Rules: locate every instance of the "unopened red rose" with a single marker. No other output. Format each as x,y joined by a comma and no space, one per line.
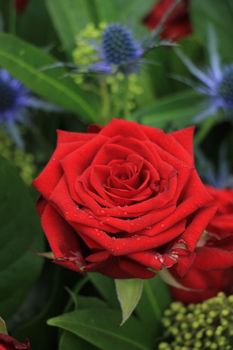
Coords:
123,201
212,268
20,5
9,343
178,24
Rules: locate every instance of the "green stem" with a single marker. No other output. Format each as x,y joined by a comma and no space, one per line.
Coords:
80,284
105,110
92,9
126,96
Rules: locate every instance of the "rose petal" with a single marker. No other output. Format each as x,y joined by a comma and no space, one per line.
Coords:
57,230
68,136
76,163
123,128
50,176
211,258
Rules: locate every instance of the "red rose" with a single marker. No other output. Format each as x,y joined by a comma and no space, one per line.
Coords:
21,5
212,268
9,343
177,25
123,199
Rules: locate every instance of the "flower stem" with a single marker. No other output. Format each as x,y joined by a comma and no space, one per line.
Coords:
126,106
104,93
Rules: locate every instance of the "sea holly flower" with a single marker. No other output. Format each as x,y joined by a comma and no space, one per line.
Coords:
124,200
15,98
211,266
120,49
207,325
116,50
178,24
215,82
108,49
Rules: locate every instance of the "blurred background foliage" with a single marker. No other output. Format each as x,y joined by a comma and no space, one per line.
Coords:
45,33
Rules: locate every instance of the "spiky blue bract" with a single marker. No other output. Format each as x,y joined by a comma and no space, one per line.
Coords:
119,46
225,88
13,98
215,82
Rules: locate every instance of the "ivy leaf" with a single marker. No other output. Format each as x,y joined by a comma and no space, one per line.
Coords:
129,293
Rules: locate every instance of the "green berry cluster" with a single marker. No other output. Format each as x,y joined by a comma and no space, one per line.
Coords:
85,53
24,162
124,89
203,326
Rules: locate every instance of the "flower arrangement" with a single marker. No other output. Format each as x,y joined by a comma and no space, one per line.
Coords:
116,211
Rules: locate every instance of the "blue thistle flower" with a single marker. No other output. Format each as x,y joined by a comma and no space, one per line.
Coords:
119,46
216,82
118,51
15,98
225,87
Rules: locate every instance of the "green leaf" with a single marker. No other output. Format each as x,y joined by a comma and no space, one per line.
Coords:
36,16
69,341
105,286
84,302
25,62
69,17
112,11
20,235
100,327
41,303
178,109
155,299
3,329
128,293
220,15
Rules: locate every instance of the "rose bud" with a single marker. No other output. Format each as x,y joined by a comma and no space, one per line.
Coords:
178,24
125,201
9,343
20,5
212,268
